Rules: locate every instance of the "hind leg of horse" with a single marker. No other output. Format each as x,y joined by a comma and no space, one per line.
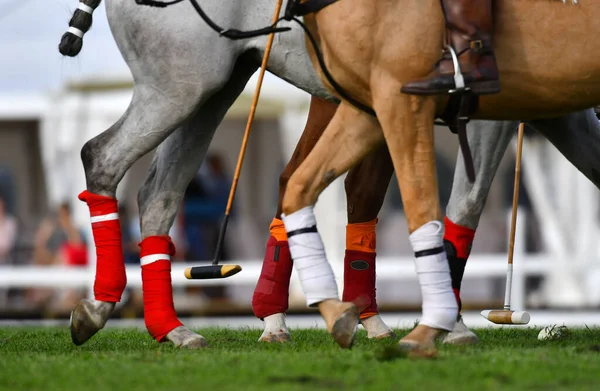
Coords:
176,162
366,186
146,123
488,141
408,130
271,294
577,137
349,137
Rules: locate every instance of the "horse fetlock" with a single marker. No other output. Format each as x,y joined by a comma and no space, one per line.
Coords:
89,317
275,329
184,338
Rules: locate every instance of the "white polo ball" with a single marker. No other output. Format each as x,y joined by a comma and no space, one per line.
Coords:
553,333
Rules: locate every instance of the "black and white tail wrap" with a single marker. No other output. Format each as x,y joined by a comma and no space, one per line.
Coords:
80,23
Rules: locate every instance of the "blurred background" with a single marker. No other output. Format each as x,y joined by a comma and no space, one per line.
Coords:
50,106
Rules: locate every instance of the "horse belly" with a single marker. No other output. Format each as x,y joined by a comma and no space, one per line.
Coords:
548,59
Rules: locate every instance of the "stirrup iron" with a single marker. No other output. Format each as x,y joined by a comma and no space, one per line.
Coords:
459,80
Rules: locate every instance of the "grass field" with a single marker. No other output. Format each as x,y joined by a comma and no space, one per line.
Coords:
507,359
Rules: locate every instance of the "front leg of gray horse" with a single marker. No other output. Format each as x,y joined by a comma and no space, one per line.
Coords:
176,162
488,141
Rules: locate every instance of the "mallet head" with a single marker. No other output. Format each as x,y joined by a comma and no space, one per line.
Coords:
211,271
506,316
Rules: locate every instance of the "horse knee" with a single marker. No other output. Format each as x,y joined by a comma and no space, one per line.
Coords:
298,194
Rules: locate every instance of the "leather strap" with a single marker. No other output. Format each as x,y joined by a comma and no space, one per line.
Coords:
299,8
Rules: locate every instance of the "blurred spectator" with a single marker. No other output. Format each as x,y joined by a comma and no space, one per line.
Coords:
58,241
132,236
8,233
8,236
204,203
129,236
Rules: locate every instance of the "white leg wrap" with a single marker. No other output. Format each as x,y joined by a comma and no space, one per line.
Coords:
439,304
308,253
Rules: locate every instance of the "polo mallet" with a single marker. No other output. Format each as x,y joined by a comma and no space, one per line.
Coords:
221,271
507,316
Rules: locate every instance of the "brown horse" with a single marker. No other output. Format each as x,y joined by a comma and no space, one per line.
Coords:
382,45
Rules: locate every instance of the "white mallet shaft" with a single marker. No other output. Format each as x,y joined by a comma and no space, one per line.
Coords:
513,220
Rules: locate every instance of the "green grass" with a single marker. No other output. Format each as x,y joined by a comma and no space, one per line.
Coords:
506,359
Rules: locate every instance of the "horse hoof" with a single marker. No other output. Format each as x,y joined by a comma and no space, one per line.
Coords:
275,329
344,328
376,328
342,321
88,317
460,335
269,337
184,338
420,342
416,350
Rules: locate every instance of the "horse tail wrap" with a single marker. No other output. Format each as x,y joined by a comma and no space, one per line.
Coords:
80,23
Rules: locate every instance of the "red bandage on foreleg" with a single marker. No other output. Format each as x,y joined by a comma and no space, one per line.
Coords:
159,311
271,295
359,265
110,266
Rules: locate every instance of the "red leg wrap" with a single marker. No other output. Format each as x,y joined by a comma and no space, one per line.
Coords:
272,290
110,266
359,280
159,312
457,242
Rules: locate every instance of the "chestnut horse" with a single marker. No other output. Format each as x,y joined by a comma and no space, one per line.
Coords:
372,48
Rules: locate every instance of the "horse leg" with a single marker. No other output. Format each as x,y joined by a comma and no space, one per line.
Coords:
409,137
577,137
365,194
271,295
488,141
366,186
176,162
354,134
147,122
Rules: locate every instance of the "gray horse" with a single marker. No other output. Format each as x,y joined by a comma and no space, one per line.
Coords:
185,79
